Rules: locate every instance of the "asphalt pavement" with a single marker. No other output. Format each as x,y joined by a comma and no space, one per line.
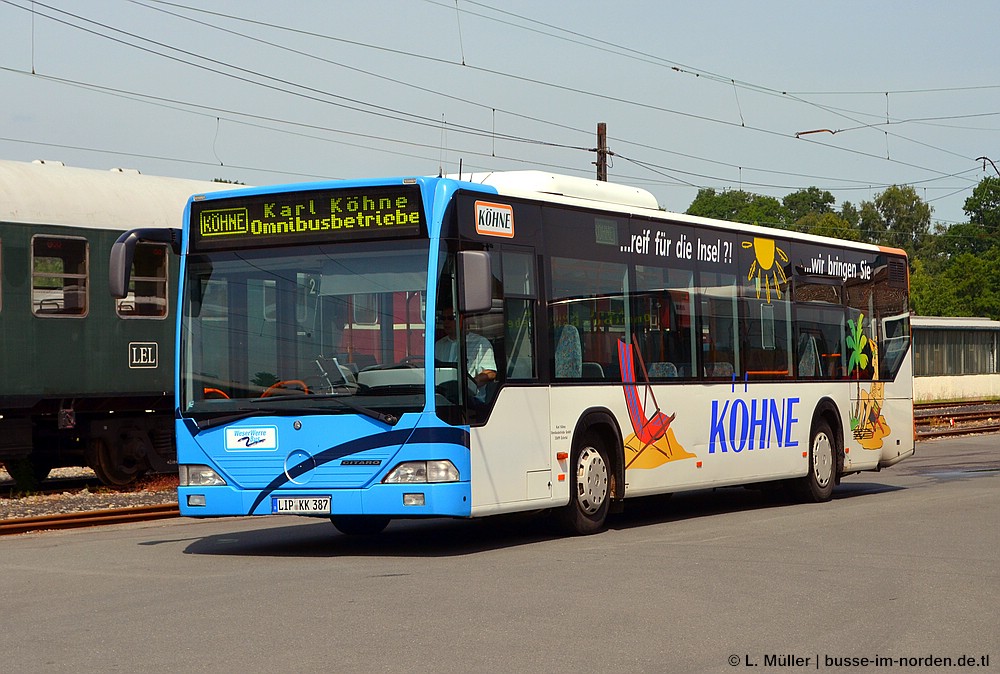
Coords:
899,569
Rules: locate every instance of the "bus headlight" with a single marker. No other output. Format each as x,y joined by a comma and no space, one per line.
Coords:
195,475
423,471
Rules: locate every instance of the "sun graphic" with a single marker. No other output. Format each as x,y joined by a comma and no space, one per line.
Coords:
763,266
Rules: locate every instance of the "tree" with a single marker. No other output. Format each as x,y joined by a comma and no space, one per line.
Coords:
897,217
849,212
983,206
951,241
739,206
811,200
968,286
828,224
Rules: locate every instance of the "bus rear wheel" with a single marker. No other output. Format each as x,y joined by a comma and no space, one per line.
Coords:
590,488
360,525
817,485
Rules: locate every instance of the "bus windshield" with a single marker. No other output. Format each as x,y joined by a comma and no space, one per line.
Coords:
296,328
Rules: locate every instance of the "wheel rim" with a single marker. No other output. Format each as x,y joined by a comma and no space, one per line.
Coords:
591,480
822,454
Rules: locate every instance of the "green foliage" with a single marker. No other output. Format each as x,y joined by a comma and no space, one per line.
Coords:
897,217
967,285
948,242
808,210
851,214
739,206
807,202
983,207
827,224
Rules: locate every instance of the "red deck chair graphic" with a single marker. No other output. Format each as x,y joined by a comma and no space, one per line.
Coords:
647,430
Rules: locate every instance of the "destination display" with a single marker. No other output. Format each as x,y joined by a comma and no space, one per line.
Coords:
315,216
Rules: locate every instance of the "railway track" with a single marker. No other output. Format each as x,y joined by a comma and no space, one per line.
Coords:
76,520
935,420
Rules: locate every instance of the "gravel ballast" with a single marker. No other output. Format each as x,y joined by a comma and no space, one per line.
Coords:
159,490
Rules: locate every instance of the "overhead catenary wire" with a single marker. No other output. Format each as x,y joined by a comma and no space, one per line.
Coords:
296,89
549,84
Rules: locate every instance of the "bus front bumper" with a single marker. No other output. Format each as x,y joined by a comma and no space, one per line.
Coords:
448,499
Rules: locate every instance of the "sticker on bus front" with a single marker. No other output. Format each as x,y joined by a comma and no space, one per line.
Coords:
262,438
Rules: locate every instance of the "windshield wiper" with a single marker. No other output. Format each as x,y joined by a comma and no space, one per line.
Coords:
243,413
385,418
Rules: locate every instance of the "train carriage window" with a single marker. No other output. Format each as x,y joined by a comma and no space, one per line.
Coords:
366,309
59,270
147,290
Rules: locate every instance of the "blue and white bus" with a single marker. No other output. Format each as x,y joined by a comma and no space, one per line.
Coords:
600,349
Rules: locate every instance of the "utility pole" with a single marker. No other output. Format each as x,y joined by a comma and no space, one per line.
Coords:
602,151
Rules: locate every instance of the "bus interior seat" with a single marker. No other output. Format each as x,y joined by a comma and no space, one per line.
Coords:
722,368
568,353
808,356
357,361
662,369
591,370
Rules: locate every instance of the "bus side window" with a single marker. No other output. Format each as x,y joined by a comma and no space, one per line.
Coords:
767,338
520,298
665,329
589,296
717,312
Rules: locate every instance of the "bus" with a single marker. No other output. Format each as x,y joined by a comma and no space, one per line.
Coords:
601,349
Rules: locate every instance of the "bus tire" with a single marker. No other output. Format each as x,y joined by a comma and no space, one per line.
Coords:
817,485
590,487
360,525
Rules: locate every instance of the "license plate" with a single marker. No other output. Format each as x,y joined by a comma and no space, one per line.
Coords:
298,505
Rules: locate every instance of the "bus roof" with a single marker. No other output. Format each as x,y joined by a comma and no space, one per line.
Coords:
532,183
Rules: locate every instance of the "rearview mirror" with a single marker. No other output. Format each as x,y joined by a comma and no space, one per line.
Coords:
475,282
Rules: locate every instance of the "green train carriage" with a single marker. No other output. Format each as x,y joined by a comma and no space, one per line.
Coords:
85,379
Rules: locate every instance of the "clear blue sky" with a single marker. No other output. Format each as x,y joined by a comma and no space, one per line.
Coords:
699,94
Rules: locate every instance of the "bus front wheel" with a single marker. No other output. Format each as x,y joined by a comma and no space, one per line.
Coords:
590,487
817,485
